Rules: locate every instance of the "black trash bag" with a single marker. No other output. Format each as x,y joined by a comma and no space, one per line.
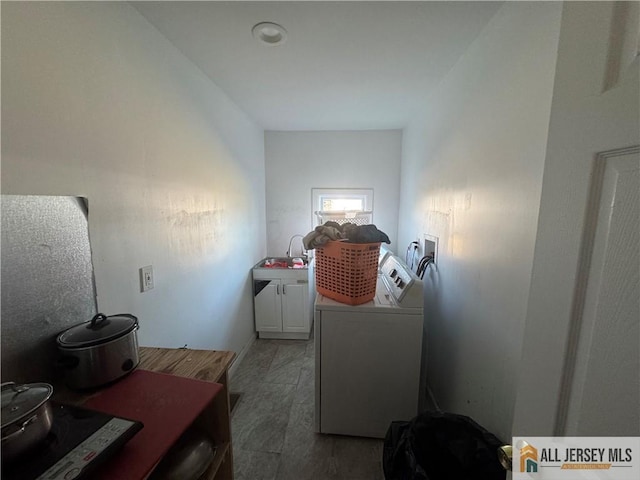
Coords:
441,446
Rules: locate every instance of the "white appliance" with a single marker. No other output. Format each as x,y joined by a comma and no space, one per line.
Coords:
368,356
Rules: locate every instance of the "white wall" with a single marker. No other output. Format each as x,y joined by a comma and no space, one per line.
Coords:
472,175
296,162
95,102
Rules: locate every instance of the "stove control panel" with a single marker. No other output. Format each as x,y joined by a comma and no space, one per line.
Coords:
404,285
77,462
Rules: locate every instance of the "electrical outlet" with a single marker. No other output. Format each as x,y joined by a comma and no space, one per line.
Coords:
431,246
146,278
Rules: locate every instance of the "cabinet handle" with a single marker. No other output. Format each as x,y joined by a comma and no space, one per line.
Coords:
277,289
284,291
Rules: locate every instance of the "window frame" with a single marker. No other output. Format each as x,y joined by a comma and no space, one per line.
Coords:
318,194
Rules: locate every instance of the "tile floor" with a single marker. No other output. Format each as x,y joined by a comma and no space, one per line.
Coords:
272,424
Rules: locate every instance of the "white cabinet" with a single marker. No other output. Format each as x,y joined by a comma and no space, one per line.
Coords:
295,308
268,306
282,303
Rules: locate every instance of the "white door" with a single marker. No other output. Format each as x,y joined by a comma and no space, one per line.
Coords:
580,371
295,307
268,311
603,384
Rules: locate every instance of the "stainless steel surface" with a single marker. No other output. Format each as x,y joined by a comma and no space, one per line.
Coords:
188,459
19,401
47,257
26,417
96,365
284,260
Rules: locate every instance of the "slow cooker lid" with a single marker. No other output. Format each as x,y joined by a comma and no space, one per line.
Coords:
20,400
100,329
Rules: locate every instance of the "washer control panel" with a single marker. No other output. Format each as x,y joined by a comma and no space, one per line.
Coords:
404,285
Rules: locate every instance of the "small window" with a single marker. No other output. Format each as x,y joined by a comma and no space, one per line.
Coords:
329,204
342,205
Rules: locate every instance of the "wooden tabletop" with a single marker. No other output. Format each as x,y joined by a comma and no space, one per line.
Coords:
207,365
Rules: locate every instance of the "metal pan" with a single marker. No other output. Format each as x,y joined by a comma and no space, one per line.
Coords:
26,417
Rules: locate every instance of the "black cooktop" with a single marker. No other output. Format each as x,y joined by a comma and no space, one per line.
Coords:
80,439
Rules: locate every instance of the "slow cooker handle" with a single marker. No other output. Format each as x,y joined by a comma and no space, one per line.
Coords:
68,362
100,317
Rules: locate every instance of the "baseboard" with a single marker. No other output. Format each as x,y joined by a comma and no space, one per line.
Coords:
284,335
236,362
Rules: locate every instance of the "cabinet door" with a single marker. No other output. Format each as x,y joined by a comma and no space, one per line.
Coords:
295,307
268,311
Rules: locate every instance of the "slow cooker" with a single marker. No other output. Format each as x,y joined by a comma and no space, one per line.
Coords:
99,351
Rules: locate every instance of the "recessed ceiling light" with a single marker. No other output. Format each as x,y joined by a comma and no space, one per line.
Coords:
269,33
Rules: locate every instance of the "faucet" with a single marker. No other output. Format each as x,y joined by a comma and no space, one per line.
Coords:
303,255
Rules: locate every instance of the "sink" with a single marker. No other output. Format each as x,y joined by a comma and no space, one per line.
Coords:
275,263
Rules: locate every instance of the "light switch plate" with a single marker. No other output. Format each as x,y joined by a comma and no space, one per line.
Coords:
146,278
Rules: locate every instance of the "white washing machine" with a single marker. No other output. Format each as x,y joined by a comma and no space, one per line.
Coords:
368,356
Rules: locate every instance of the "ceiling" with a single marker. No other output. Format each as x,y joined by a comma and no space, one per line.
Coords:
344,66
